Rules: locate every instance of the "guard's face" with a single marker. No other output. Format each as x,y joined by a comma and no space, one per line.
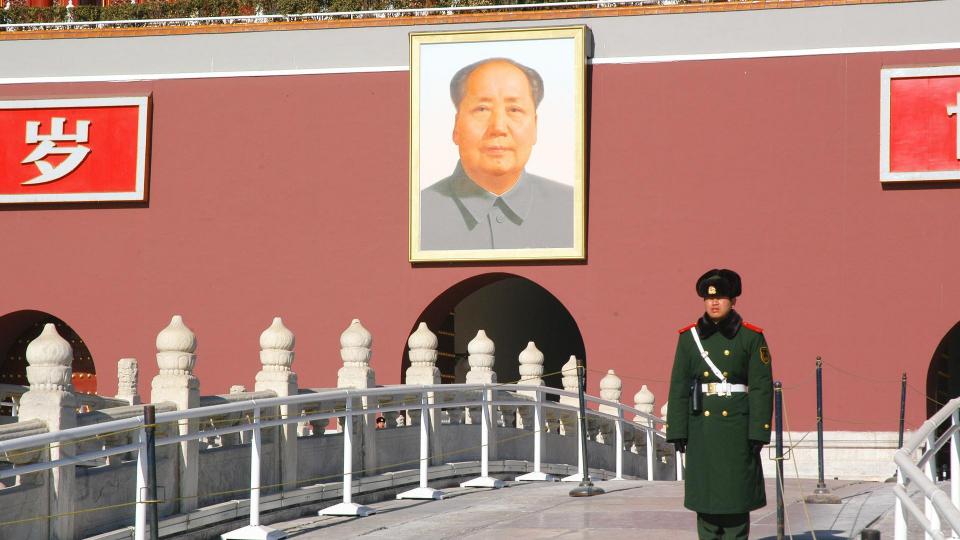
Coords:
496,125
717,308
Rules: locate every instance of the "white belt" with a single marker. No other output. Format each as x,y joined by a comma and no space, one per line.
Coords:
723,388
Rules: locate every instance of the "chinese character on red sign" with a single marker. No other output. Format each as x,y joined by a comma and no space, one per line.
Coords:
919,120
74,150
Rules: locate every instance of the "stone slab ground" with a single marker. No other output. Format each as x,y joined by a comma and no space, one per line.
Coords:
629,509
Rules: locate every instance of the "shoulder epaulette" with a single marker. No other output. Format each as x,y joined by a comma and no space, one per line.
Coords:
685,328
753,327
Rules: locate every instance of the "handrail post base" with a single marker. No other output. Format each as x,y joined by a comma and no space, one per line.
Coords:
483,482
426,493
536,477
254,532
347,509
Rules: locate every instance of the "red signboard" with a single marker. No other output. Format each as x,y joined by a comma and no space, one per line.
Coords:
74,150
920,112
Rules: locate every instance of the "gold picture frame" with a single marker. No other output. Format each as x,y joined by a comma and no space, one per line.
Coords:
497,142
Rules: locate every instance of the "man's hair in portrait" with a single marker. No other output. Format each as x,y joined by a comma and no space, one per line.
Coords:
459,81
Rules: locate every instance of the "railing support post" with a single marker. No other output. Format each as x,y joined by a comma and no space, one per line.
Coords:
619,471
484,480
423,491
651,451
899,514
255,531
348,507
140,515
930,469
955,463
537,475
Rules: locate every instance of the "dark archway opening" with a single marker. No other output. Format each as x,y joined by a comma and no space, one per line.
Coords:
513,311
19,328
943,384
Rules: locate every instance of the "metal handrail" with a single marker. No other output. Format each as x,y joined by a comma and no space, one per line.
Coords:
937,504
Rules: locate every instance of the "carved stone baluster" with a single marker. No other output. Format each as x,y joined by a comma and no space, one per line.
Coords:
610,389
568,420
481,360
643,402
356,344
531,369
423,364
128,376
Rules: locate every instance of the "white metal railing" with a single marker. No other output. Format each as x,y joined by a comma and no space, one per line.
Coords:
923,474
462,396
325,16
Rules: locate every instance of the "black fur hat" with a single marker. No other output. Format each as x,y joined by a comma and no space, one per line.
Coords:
719,282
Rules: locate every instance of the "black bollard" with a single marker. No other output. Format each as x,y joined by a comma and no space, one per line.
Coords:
778,420
150,428
821,495
870,534
903,407
586,487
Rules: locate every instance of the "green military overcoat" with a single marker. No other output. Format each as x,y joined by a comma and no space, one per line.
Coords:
723,475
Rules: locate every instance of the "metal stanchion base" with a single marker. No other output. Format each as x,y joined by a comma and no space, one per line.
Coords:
483,482
254,532
421,493
586,490
347,509
536,477
821,495
576,477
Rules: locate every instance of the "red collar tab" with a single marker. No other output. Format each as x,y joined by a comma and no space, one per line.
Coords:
753,327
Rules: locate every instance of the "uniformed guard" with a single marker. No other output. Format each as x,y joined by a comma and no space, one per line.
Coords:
721,392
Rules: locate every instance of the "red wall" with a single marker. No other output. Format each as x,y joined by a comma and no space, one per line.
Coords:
287,195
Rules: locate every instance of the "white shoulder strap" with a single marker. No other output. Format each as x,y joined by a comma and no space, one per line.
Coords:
706,357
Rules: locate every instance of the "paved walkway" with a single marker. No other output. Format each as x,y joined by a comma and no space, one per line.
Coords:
629,509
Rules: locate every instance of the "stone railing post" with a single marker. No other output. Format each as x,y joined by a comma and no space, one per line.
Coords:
531,369
128,377
611,387
423,370
481,359
568,420
176,383
276,359
643,402
51,400
355,351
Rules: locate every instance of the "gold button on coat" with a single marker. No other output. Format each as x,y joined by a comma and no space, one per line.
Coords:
706,413
706,373
724,413
726,352
766,426
725,374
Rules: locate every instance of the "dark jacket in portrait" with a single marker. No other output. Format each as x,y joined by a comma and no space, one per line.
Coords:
723,474
456,213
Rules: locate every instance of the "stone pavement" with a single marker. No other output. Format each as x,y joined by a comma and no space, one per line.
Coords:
629,509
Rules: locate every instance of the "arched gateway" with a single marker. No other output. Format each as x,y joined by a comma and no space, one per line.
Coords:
513,311
19,328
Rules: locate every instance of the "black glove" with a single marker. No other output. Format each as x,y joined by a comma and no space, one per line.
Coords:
680,445
756,446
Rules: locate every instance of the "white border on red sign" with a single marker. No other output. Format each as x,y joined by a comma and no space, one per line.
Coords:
886,76
139,193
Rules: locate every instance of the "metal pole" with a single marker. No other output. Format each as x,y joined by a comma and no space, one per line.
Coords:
619,475
424,440
537,431
930,468
821,495
348,451
903,407
650,451
140,514
955,463
821,485
484,435
586,487
778,418
150,430
255,470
